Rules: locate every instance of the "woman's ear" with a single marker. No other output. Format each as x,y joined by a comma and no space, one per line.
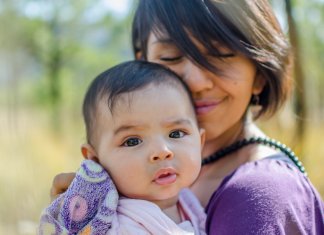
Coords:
139,55
202,133
258,84
89,152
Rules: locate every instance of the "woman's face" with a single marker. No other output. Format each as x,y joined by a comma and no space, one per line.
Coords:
220,99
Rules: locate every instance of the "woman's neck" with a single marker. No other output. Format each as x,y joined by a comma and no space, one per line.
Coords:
211,175
236,158
229,137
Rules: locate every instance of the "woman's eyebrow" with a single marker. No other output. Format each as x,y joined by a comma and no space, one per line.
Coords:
163,41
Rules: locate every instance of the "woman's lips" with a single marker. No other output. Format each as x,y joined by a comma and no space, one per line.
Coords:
203,107
165,176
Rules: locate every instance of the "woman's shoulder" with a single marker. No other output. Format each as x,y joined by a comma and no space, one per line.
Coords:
276,170
265,194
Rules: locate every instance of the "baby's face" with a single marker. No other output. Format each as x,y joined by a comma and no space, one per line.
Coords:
151,144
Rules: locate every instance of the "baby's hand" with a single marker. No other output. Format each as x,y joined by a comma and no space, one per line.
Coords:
89,204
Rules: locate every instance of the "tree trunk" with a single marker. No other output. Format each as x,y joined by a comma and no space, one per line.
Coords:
54,65
299,99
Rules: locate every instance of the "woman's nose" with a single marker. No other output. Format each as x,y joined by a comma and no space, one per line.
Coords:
161,152
197,78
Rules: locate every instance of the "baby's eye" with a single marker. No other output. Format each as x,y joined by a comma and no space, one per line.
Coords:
177,134
130,142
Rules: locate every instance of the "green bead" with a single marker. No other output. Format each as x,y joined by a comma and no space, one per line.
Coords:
260,140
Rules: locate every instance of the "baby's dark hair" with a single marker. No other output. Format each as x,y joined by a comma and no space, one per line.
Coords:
124,78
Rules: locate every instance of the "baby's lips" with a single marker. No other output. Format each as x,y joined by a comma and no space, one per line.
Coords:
165,176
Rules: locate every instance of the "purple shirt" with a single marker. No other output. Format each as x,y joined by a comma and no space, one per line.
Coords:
269,196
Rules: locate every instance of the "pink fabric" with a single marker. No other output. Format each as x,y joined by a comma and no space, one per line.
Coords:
143,217
91,205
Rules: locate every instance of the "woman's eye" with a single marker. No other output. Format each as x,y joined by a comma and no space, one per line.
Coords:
177,134
170,58
132,142
227,55
221,57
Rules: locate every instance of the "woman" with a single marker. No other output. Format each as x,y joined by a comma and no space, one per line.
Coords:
233,55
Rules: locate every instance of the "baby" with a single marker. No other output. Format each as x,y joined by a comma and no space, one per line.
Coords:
143,138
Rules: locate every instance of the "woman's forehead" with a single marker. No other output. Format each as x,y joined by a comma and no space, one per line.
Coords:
163,38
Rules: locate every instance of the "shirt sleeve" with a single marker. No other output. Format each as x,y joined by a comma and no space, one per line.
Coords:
265,197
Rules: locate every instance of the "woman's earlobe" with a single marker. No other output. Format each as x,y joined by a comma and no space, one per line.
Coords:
202,133
139,55
259,84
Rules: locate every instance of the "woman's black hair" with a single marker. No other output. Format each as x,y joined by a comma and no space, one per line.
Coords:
125,78
248,27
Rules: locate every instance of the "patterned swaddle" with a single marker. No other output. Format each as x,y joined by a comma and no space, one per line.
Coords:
87,207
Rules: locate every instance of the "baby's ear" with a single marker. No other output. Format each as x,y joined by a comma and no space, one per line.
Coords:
89,152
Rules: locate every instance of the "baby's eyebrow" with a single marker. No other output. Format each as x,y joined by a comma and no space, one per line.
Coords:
181,121
125,128
167,123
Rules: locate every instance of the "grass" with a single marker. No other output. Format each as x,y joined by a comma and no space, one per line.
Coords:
32,153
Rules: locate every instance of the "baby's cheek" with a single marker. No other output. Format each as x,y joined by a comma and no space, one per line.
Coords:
120,178
193,167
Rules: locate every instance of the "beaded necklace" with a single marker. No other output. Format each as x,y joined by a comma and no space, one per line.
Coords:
255,140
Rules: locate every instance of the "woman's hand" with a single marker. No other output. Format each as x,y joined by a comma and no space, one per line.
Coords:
60,184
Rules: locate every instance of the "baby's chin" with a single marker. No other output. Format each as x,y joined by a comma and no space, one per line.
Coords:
166,202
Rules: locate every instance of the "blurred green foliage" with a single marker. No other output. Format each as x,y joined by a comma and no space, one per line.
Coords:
54,48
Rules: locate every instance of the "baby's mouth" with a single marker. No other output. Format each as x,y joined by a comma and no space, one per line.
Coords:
165,176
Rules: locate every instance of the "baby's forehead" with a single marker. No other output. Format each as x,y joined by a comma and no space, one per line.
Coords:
154,105
127,99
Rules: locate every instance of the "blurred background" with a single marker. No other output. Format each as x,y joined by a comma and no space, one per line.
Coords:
51,50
